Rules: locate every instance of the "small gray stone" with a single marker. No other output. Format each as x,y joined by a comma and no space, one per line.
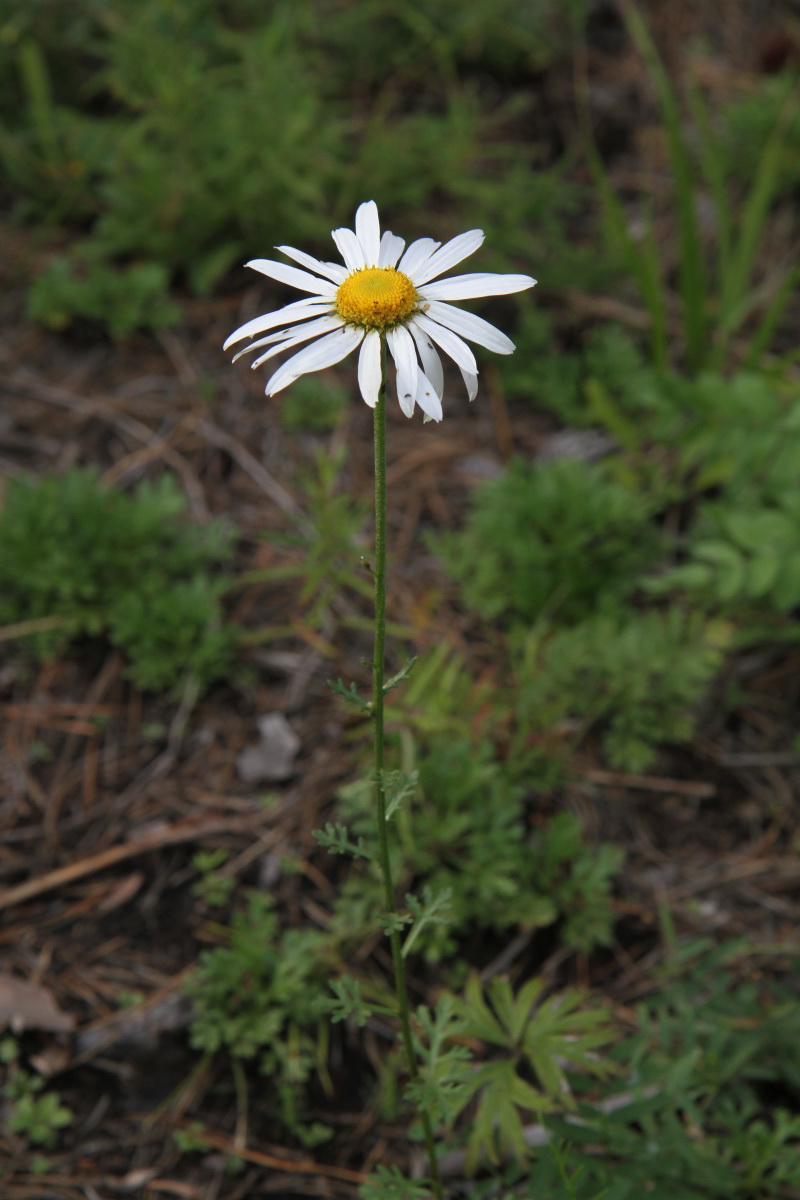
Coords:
272,758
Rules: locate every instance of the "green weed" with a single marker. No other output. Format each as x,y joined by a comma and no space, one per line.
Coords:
34,1113
559,538
640,678
463,835
122,299
697,1122
743,561
492,1058
213,888
257,998
681,438
80,559
682,1106
179,141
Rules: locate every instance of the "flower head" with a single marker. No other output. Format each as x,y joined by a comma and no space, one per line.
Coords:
383,291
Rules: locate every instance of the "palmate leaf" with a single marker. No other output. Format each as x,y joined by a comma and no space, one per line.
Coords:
387,1183
479,1019
515,1011
497,1129
562,1035
543,1037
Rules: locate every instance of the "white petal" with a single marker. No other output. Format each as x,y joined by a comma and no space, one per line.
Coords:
404,354
368,232
417,255
450,342
298,310
471,381
427,398
298,279
452,252
470,287
392,247
281,336
313,329
288,333
431,363
350,249
331,271
369,368
473,328
324,353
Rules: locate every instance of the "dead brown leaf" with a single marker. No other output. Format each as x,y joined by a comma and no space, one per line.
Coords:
28,1006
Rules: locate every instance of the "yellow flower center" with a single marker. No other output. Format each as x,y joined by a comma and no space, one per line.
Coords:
376,298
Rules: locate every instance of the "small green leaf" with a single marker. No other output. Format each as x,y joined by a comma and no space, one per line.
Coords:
394,922
350,695
434,909
348,1002
335,838
402,674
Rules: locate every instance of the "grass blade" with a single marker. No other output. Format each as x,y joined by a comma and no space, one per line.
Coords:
643,258
733,309
691,269
768,324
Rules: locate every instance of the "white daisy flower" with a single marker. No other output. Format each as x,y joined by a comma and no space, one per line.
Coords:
383,291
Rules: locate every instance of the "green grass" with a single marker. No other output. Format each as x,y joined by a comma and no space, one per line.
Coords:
719,292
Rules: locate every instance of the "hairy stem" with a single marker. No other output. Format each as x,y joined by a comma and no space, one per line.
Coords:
401,990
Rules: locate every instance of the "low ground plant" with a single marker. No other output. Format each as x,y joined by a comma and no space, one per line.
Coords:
467,837
159,138
79,559
256,999
560,539
712,1045
683,1107
638,679
34,1111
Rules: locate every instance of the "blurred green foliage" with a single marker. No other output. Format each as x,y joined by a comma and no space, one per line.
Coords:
191,136
720,295
640,677
560,537
78,559
31,1111
123,298
624,584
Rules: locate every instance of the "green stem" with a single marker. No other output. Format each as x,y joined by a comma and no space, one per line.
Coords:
401,990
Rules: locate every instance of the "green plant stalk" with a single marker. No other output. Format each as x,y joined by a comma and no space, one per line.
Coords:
379,572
